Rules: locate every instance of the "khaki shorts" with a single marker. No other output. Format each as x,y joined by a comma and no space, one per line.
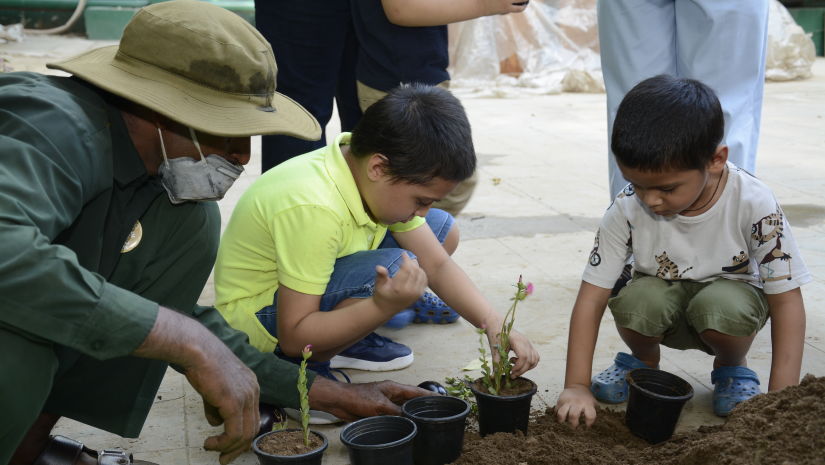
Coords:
681,310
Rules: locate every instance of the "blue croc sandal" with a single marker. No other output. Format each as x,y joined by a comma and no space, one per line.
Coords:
732,385
401,319
431,309
610,386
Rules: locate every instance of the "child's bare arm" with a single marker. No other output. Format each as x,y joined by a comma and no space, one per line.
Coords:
576,400
787,337
450,283
438,12
300,322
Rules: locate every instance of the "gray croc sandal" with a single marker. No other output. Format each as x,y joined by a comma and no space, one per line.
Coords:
65,451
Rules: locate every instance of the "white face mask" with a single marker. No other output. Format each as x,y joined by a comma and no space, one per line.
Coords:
186,179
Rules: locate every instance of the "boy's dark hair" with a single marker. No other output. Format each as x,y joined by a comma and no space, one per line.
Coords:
667,123
422,130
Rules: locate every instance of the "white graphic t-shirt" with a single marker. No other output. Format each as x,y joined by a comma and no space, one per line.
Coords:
744,236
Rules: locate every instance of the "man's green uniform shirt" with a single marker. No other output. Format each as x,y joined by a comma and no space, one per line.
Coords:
72,186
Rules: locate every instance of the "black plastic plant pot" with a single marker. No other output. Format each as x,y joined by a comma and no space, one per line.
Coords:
440,421
313,457
385,440
503,413
655,403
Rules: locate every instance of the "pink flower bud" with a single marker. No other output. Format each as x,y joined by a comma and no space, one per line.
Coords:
529,289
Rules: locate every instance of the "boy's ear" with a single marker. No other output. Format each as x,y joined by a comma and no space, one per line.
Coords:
720,157
376,166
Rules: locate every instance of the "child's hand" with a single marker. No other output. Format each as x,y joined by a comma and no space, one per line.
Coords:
399,292
526,357
574,402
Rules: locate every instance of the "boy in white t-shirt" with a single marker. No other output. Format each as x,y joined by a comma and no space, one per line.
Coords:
713,257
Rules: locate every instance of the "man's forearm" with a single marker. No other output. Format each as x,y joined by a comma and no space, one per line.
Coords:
174,338
277,378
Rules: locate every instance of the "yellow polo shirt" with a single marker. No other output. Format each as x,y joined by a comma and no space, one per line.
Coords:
289,227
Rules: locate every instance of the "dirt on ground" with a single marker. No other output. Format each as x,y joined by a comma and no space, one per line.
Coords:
783,428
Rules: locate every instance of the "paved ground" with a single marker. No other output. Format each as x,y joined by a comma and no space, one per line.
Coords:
542,191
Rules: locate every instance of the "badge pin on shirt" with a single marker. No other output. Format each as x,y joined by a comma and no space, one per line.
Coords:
133,239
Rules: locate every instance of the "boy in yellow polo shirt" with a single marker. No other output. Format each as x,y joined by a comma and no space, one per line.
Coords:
328,246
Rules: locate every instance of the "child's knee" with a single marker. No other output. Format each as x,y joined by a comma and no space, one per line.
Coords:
729,307
391,258
451,241
442,224
647,305
739,320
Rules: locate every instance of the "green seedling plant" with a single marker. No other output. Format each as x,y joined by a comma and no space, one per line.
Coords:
496,377
458,387
303,394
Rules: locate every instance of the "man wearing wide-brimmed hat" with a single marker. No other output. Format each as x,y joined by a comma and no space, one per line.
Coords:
108,236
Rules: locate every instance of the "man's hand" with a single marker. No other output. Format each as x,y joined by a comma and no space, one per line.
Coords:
230,396
399,292
353,401
229,389
575,401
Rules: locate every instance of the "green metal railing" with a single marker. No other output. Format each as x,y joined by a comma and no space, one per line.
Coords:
102,19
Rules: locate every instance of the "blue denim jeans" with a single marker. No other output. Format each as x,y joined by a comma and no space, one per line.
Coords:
353,276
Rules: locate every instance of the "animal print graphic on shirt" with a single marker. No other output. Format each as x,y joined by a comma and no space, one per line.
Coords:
739,264
627,191
668,269
767,229
595,258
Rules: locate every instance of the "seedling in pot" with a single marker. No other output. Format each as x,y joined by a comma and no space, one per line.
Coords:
497,377
294,446
303,393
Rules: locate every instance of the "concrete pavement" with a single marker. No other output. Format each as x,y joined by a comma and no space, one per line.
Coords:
542,190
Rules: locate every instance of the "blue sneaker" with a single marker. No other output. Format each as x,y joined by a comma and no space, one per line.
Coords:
374,353
731,386
321,368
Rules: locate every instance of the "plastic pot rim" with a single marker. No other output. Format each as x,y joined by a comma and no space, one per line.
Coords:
320,449
448,419
513,398
385,445
663,397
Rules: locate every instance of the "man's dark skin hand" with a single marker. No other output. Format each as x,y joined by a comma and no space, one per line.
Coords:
228,387
353,401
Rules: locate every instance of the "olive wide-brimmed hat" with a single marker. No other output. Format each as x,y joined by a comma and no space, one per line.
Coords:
200,65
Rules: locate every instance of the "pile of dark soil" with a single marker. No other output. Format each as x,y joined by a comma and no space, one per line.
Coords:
785,427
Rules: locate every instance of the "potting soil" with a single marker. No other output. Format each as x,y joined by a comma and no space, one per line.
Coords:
289,443
785,428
